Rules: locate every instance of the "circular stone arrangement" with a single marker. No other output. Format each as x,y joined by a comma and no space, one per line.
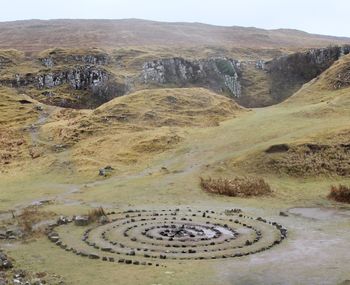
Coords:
144,237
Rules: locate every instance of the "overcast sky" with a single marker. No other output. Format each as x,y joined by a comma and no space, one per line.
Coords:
315,16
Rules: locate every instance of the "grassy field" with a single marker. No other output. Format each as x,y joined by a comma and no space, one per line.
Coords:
315,251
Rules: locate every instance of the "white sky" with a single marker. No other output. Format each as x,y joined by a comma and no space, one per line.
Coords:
323,16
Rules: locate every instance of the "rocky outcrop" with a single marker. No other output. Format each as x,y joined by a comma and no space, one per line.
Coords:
80,77
101,59
83,80
288,73
95,80
5,62
252,83
219,74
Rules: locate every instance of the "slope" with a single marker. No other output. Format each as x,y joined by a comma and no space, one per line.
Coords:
38,35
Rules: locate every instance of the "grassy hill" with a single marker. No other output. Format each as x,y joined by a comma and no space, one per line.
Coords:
158,143
159,162
34,35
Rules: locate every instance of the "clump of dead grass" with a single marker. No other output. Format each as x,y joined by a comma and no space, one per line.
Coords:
29,219
95,214
237,187
340,193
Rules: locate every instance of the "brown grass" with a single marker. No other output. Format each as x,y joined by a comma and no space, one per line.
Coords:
95,214
340,193
31,216
238,186
307,160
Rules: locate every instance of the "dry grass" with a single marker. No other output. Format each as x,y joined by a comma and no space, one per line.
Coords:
338,76
29,219
307,160
237,187
170,107
137,126
340,193
95,214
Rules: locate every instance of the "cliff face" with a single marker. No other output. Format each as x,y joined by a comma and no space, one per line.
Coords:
87,79
89,86
218,74
289,73
54,58
250,83
78,78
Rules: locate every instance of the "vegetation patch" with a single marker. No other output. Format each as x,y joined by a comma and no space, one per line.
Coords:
338,76
97,214
310,159
340,193
237,187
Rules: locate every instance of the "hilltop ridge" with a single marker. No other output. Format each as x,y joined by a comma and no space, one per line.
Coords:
34,35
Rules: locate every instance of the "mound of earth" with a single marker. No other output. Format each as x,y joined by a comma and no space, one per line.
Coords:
338,76
138,125
329,157
182,107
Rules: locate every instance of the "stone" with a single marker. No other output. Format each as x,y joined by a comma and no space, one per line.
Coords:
283,214
81,220
106,171
62,220
103,220
277,148
93,256
5,262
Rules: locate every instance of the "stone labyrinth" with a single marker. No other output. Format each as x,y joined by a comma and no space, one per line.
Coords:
153,237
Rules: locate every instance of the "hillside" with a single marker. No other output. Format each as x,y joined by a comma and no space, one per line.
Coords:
321,153
152,147
34,35
87,78
149,164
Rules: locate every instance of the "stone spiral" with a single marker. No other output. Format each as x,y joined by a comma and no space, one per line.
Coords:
152,237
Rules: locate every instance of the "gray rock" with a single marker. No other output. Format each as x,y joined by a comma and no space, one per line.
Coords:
283,214
219,73
105,171
81,220
62,220
103,220
94,256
